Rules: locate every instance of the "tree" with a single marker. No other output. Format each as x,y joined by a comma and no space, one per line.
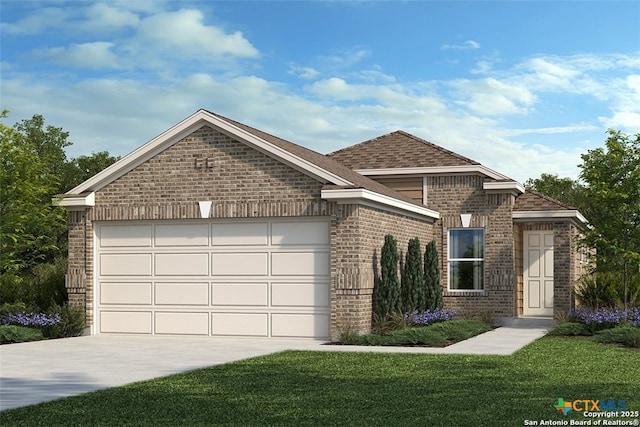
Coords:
612,178
412,286
84,167
388,295
565,190
30,224
432,277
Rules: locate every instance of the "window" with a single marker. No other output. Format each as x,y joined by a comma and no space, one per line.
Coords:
466,259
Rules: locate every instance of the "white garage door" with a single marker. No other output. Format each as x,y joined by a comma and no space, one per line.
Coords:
266,278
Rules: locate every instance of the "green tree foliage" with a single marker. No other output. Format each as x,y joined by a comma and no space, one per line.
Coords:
612,178
412,286
432,277
30,224
388,295
566,190
33,231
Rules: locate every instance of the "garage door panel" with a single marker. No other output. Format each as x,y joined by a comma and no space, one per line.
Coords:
182,294
300,325
125,293
125,264
239,294
182,323
182,235
226,234
300,233
236,277
301,295
240,264
182,264
300,263
112,236
132,322
240,324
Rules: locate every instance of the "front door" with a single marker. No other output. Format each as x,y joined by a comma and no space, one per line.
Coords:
538,273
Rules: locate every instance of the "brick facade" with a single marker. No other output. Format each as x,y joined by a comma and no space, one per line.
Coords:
242,183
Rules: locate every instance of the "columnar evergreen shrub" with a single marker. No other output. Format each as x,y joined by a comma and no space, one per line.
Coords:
412,285
388,295
432,277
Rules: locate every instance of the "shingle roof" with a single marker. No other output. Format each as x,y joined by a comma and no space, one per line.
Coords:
398,150
329,164
531,200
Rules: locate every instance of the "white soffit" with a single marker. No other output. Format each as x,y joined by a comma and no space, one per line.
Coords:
363,196
550,215
183,129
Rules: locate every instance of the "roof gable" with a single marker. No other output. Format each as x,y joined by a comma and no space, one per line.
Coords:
309,162
398,150
534,201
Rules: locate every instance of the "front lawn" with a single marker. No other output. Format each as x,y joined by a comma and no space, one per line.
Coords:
369,389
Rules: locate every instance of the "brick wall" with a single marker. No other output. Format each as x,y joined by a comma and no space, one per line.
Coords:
357,237
454,195
241,183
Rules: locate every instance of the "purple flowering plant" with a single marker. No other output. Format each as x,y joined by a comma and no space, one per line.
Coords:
37,320
604,318
430,316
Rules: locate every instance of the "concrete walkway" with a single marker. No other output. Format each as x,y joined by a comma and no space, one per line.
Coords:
47,370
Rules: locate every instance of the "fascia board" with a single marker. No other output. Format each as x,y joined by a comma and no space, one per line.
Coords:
141,154
550,215
503,186
363,196
280,153
436,170
81,201
186,127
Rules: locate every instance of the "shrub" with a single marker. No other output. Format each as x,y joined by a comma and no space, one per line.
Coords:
432,277
430,316
391,322
569,328
607,289
15,334
388,294
625,335
37,320
72,322
412,287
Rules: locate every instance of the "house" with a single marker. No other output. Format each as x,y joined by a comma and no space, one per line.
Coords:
216,228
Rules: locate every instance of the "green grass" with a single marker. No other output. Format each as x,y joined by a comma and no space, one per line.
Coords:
362,389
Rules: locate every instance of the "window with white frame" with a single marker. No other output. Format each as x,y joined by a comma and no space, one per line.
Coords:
466,259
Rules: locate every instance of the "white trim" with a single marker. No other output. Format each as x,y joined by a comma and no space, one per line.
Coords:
425,195
503,186
184,128
549,215
436,170
363,196
86,201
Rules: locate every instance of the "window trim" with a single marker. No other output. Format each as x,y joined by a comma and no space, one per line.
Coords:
450,260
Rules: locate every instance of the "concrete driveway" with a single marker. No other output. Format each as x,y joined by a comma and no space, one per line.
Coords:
41,371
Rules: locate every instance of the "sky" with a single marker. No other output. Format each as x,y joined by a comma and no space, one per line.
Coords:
524,87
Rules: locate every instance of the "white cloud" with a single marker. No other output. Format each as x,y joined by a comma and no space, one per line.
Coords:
493,97
306,73
102,16
183,32
96,55
467,45
39,21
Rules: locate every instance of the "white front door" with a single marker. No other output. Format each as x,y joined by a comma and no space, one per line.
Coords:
538,273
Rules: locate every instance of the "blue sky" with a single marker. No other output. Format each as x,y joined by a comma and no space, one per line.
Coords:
524,87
